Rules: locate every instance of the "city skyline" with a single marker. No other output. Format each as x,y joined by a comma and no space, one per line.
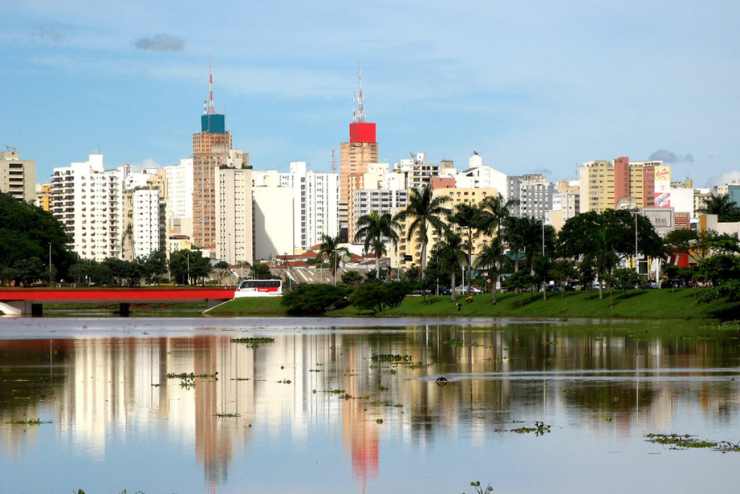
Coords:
479,86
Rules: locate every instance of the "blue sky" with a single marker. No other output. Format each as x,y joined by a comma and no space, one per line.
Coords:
541,86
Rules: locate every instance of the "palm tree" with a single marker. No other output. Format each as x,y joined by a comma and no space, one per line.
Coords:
424,211
373,230
469,218
491,258
331,252
494,211
451,256
725,208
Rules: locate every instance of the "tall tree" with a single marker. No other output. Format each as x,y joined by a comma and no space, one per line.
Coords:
469,219
374,230
491,258
494,211
720,204
27,232
425,212
451,257
331,252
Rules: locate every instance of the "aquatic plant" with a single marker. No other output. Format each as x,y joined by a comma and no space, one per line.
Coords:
391,358
539,429
36,421
478,489
686,441
253,341
227,415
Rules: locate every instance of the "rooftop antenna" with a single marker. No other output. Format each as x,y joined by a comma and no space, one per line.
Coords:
359,113
333,161
211,105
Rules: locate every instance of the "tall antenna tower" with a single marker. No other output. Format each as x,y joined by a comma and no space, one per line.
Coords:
359,113
211,107
333,161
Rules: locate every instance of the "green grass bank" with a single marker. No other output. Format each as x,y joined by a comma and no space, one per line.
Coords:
631,304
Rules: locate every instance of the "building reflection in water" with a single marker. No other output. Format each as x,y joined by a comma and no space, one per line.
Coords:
99,389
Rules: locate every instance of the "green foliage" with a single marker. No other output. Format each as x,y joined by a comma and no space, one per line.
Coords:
718,269
189,266
26,232
315,299
520,280
374,230
376,296
352,278
424,212
332,254
625,279
721,205
261,271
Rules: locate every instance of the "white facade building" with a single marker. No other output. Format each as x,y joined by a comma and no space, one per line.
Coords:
313,198
146,222
87,200
178,197
273,221
481,176
234,241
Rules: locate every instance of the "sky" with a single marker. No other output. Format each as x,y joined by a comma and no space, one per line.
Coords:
537,86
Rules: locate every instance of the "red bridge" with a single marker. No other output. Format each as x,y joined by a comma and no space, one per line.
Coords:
20,301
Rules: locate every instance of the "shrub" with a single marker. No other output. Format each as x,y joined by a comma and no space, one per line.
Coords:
312,300
375,296
353,278
624,278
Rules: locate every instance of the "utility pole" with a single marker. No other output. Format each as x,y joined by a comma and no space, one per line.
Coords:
637,261
51,275
544,274
187,282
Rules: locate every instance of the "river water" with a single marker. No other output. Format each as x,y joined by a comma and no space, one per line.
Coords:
352,405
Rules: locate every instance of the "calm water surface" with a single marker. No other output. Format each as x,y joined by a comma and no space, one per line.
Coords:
317,414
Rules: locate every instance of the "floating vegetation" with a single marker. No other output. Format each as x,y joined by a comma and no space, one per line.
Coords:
187,379
253,341
36,421
227,415
686,441
441,381
191,375
391,358
335,391
285,381
479,489
240,379
539,429
378,421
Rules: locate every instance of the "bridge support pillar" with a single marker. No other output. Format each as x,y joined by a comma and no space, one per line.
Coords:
124,310
37,310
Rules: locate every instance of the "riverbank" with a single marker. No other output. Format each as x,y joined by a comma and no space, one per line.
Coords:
630,304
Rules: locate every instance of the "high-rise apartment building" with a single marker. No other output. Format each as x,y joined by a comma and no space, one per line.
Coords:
274,221
147,221
408,251
417,172
87,200
17,176
178,197
43,197
234,241
532,194
619,184
211,148
381,201
355,156
566,203
479,175
313,201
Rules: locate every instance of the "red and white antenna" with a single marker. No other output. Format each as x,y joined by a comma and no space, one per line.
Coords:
211,101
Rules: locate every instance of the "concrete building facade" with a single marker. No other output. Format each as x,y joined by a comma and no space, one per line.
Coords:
87,200
234,228
17,176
